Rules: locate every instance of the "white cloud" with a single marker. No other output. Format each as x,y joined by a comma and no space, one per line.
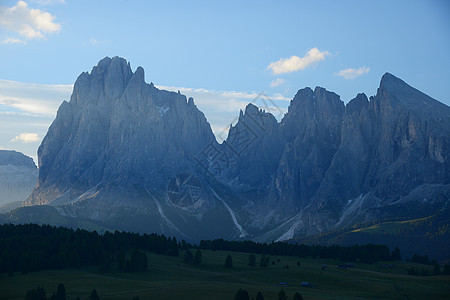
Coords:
28,23
23,105
221,108
213,97
42,99
93,41
277,82
26,137
351,73
295,63
12,41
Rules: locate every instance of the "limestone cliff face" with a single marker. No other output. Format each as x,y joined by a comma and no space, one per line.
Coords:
334,165
312,132
253,146
411,144
117,129
342,164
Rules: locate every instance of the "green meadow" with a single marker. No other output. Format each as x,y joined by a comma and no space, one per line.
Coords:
172,278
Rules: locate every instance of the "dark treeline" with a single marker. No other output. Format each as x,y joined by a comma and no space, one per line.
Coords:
33,247
369,253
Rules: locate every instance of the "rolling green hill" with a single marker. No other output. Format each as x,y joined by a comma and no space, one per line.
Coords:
172,278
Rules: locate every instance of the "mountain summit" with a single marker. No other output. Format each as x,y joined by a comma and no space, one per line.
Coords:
129,156
117,129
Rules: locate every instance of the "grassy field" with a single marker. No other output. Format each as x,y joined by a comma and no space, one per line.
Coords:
171,278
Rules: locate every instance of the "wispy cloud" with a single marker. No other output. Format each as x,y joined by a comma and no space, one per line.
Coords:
30,102
220,97
28,23
93,42
221,108
44,99
277,82
26,112
26,137
13,41
351,73
296,63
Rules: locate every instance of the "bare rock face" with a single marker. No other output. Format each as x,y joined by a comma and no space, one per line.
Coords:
132,157
411,145
253,148
118,129
347,164
312,131
115,146
18,176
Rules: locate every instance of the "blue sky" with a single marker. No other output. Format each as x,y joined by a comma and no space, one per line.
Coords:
222,53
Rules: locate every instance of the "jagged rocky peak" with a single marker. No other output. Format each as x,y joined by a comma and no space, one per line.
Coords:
389,80
108,79
253,123
315,105
252,111
394,92
357,104
314,115
117,128
302,97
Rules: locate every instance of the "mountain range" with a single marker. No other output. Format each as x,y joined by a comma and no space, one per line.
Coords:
123,154
18,176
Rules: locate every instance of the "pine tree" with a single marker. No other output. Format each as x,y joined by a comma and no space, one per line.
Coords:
252,260
188,257
229,261
36,294
105,262
446,270
241,294
197,257
94,295
121,257
264,262
259,296
436,267
412,271
174,249
282,295
395,255
61,292
298,296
